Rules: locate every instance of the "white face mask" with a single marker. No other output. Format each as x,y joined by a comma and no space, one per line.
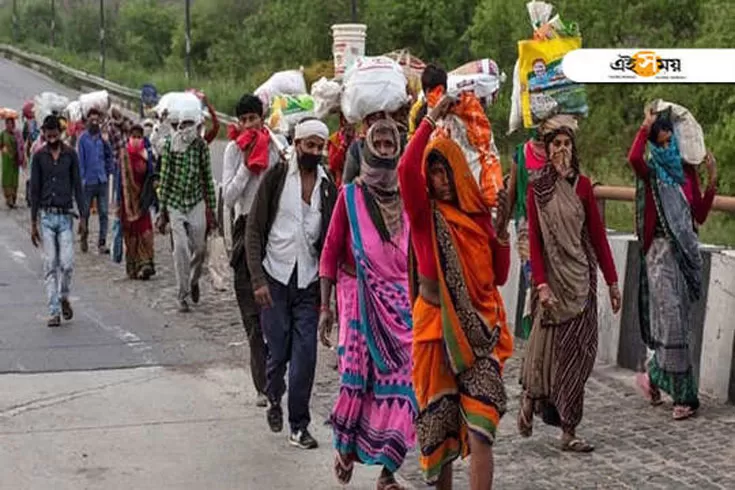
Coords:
182,138
147,131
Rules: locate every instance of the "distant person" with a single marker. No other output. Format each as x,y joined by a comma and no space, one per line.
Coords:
13,158
96,165
432,77
55,183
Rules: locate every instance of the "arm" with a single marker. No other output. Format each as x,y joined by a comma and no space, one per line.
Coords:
701,205
538,269
255,239
512,183
235,175
206,161
165,183
76,182
334,249
35,187
636,154
214,130
597,232
82,158
410,181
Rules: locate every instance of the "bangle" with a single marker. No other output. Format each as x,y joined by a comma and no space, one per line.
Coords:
324,309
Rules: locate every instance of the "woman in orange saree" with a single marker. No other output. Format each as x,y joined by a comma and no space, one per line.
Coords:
461,337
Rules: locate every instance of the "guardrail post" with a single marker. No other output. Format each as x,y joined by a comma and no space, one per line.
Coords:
15,21
102,38
188,39
53,22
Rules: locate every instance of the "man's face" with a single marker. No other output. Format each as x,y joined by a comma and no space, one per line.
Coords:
52,137
384,144
439,182
93,121
250,121
313,145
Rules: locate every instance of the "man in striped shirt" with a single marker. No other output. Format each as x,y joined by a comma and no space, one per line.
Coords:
187,200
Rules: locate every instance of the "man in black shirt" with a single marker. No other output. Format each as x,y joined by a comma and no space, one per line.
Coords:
55,184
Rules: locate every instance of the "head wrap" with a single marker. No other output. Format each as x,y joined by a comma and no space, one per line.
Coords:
372,156
469,196
559,121
309,128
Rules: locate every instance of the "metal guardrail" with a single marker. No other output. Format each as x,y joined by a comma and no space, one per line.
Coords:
627,194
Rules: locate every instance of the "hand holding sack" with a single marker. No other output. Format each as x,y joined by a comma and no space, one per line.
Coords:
688,132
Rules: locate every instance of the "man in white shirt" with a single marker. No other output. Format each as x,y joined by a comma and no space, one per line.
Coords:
285,232
241,177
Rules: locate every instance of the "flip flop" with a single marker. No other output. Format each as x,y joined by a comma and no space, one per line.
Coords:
525,420
683,412
389,483
577,446
343,471
649,390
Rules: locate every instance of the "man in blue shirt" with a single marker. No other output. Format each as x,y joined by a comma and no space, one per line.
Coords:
95,167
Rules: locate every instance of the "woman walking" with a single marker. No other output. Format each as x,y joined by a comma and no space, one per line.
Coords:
567,239
13,158
669,208
136,197
366,254
461,338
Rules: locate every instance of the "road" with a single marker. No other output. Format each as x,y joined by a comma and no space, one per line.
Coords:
131,394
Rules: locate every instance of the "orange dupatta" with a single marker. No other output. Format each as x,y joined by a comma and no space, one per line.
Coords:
473,314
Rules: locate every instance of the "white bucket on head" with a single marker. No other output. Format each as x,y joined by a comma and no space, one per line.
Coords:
349,44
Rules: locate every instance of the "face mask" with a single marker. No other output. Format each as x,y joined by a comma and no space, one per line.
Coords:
562,160
182,138
309,161
147,131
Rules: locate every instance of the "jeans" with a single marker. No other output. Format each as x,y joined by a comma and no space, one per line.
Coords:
290,329
100,192
57,232
189,232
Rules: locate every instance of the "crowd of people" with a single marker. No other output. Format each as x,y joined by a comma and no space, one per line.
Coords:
391,239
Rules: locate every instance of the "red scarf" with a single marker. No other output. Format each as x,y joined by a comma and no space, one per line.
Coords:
257,141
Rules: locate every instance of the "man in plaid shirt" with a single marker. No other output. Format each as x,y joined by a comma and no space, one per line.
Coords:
187,199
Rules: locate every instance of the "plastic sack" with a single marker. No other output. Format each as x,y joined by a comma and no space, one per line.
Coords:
48,103
483,77
117,241
326,95
7,113
181,106
99,100
373,84
545,91
687,130
288,110
515,121
74,111
289,82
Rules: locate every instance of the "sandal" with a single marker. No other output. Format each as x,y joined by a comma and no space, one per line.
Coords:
576,445
343,470
525,418
650,390
683,412
389,483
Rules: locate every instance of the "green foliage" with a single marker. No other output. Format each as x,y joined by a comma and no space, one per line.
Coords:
237,44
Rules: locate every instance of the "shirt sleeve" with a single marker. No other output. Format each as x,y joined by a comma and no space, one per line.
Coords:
538,268
336,240
636,155
35,186
211,196
214,130
235,175
76,183
701,205
163,188
597,232
410,179
82,158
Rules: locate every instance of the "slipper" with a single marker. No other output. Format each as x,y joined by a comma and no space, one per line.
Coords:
343,471
683,412
525,420
577,446
649,390
389,483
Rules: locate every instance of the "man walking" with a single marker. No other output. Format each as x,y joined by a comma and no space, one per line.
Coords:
95,167
248,155
55,183
285,233
187,200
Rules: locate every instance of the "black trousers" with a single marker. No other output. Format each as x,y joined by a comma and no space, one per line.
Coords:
249,310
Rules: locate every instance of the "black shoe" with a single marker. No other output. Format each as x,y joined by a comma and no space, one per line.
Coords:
54,321
184,306
103,250
274,415
261,401
195,293
66,310
302,439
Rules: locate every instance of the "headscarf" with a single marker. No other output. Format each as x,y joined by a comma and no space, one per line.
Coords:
557,122
666,162
379,177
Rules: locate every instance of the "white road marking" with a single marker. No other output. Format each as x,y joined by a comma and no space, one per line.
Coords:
135,343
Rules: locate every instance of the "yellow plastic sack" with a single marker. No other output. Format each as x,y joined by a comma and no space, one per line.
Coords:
545,91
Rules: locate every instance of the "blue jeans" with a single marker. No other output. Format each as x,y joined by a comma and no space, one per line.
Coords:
101,194
290,330
57,232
